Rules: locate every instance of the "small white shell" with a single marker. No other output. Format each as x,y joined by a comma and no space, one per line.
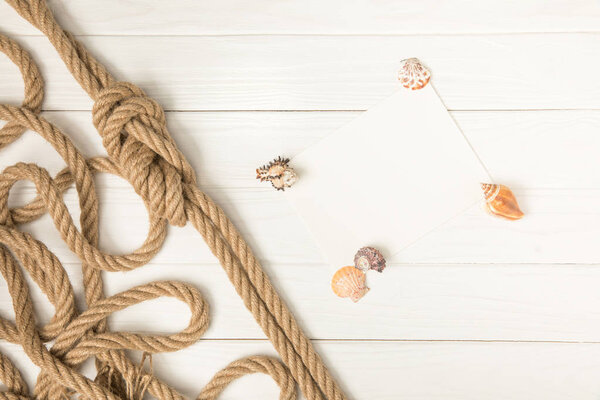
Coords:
289,177
278,172
413,75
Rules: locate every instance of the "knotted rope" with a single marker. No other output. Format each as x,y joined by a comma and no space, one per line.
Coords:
141,150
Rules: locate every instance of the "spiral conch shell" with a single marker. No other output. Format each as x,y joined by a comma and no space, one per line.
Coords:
413,75
500,201
369,258
349,282
278,172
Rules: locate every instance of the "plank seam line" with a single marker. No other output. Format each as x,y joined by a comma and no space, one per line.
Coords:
396,265
340,110
323,34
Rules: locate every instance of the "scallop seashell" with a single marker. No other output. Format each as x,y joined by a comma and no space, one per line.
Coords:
500,201
349,282
368,258
278,172
413,75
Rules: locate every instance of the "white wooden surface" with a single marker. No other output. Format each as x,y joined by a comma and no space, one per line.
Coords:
480,309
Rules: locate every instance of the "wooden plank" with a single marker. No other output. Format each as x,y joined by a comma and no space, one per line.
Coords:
428,302
189,17
388,371
560,227
521,71
525,149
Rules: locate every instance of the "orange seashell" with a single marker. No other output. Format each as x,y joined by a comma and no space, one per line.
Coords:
413,75
500,201
349,282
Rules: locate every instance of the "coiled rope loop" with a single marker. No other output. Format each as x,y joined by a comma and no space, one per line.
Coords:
140,149
34,87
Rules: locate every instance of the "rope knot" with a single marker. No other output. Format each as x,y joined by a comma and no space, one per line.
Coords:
134,132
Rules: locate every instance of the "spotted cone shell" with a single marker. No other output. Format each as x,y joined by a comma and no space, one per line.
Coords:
413,75
349,282
369,258
500,201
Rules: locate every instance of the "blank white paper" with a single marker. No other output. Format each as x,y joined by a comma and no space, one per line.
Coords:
387,178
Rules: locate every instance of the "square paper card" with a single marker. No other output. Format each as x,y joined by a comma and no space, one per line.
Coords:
386,179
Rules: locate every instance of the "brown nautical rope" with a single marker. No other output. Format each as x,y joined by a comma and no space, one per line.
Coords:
141,150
